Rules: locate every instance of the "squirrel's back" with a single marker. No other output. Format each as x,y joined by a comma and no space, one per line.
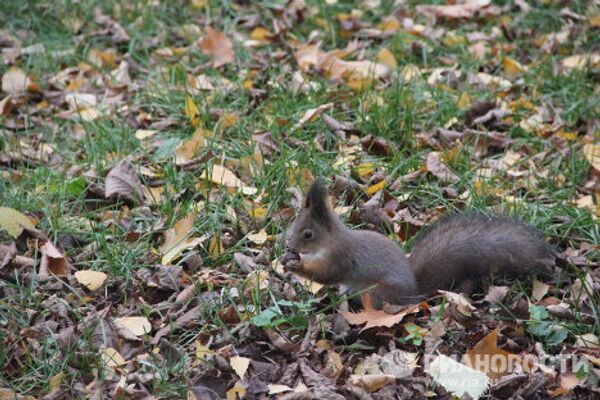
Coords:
460,249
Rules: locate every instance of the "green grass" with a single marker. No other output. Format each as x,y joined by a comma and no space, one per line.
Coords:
396,110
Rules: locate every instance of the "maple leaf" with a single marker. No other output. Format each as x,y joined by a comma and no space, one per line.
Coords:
374,318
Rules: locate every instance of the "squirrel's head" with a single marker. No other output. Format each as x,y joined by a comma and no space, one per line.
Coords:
314,223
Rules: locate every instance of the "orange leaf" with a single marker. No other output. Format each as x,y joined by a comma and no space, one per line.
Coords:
217,45
374,318
486,357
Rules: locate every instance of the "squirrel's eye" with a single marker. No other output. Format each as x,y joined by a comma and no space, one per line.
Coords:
307,233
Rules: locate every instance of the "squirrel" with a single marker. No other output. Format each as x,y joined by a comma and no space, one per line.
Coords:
454,253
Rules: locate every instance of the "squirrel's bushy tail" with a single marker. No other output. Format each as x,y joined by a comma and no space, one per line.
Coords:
461,249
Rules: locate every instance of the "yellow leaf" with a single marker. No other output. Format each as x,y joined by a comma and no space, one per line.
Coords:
261,34
137,325
202,352
14,222
464,101
371,190
512,66
387,58
595,21
389,24
215,247
236,393
240,365
227,120
192,111
55,382
570,136
591,153
365,170
93,280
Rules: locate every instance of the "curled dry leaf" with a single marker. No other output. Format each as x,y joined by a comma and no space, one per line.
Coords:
309,114
53,261
224,177
461,302
178,239
218,46
14,222
123,181
438,169
93,280
138,326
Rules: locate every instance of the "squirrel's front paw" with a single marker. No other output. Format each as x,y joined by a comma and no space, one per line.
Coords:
291,261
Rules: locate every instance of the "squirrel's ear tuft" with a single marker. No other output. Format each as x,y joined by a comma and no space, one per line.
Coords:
316,201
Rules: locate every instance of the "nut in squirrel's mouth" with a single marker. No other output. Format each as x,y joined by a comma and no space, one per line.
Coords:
290,260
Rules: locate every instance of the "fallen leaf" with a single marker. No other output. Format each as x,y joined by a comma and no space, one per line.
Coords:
310,114
567,383
461,302
373,318
240,365
192,111
93,280
53,261
386,57
512,66
591,153
80,101
435,166
486,357
258,238
138,326
465,10
458,378
112,358
123,181
190,149
14,222
371,383
540,289
581,61
178,239
15,81
224,177
218,46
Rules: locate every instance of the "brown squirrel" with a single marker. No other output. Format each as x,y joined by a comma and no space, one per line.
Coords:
454,253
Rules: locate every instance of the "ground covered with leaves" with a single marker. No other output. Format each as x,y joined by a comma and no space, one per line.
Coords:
152,154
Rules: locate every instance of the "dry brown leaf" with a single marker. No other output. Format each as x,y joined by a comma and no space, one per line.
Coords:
435,166
240,365
373,318
310,114
540,289
178,239
371,383
53,261
224,177
486,357
581,61
567,383
190,149
464,10
461,302
123,181
14,222
93,280
138,326
259,237
15,81
218,46
112,358
592,154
